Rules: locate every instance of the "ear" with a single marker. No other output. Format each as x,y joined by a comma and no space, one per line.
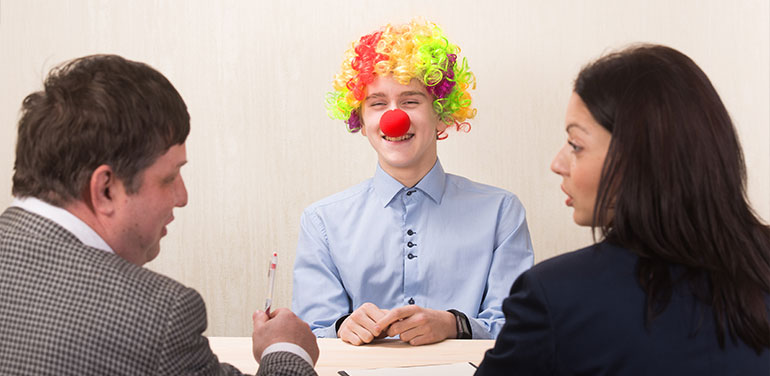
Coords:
361,120
104,188
441,126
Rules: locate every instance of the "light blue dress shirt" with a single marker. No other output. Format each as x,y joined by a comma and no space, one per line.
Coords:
447,243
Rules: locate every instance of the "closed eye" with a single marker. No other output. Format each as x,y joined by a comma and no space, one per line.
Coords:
170,178
412,100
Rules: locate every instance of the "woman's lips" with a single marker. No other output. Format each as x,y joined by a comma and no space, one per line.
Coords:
568,201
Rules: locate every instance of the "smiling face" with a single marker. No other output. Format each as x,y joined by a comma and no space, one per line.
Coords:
409,157
580,160
141,217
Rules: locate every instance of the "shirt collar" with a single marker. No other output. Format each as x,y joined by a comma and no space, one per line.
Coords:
433,183
65,219
386,187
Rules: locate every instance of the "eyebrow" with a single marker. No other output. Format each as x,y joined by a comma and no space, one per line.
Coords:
410,93
404,94
375,95
575,125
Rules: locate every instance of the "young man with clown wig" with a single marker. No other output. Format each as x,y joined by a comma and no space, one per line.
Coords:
413,252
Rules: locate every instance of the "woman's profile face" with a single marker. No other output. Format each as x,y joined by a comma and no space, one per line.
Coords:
580,160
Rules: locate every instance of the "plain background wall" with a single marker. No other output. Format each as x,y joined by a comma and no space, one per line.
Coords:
254,75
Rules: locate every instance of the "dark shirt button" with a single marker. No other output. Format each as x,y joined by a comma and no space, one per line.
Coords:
409,193
411,301
410,232
410,244
410,256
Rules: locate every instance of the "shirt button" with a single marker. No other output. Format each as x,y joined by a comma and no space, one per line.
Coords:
410,232
409,193
410,256
410,244
411,301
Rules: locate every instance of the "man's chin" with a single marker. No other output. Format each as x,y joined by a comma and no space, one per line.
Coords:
152,253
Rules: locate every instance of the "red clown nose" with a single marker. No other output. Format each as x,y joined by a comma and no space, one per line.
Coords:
394,123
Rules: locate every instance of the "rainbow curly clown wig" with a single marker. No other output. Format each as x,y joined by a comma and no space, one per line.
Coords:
416,50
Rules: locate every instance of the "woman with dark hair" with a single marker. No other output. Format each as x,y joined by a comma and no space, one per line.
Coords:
680,283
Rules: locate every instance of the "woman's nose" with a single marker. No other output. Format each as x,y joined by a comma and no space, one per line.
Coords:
559,164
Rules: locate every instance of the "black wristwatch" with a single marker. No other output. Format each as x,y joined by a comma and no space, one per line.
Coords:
463,325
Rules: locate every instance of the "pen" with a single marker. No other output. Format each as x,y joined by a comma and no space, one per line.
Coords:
271,282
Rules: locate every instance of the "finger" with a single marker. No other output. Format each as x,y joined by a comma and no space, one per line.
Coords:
281,312
425,338
415,332
373,312
348,336
259,318
364,334
421,340
367,323
397,314
400,319
361,317
420,317
398,328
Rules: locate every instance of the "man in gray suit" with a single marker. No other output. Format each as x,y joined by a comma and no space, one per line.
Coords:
97,176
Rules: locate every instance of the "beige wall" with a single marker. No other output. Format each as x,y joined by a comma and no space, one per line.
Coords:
254,75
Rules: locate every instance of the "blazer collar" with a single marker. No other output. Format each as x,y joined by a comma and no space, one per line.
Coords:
65,219
20,220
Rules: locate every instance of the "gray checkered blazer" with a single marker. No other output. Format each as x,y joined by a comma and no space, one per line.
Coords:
69,309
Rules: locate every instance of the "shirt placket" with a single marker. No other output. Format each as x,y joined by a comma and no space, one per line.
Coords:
411,245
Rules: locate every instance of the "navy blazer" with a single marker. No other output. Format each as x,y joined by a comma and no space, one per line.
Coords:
582,313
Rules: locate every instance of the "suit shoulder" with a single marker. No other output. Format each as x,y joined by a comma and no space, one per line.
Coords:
147,280
586,264
79,289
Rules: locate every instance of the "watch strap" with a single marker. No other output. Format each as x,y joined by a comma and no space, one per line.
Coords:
463,325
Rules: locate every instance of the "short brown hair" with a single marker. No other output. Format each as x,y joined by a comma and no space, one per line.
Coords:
95,110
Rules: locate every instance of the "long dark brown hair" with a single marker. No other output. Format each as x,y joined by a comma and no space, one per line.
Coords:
672,188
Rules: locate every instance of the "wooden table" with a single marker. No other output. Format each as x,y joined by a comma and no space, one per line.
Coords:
337,355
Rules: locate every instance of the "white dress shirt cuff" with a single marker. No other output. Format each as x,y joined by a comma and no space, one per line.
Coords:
289,347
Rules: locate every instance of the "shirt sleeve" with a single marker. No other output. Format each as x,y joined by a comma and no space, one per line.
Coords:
512,256
526,343
318,297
